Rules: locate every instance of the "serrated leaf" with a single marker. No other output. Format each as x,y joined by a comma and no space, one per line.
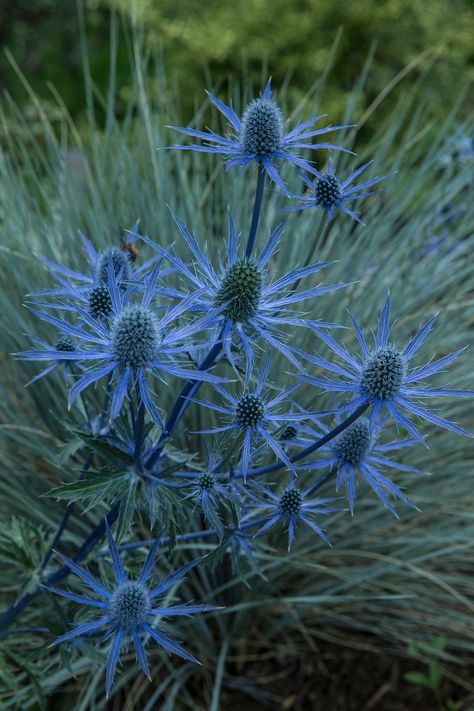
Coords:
127,504
111,454
67,452
93,484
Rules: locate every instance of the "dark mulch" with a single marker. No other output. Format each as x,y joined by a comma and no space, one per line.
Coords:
339,679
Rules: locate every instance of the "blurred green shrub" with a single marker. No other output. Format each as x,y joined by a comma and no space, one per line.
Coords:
213,40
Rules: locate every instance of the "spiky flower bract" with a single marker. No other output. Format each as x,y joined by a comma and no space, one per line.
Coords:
383,379
63,353
259,136
291,506
77,286
331,194
253,416
356,453
134,343
128,610
253,307
212,492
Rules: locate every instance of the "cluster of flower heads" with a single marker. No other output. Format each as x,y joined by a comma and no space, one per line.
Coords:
143,329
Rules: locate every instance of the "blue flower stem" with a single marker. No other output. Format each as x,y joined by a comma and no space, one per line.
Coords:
139,433
312,447
193,536
182,401
257,206
191,387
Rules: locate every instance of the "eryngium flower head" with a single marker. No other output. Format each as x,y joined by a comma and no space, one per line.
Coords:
291,500
262,127
62,353
383,372
132,344
120,263
248,304
356,454
130,604
249,410
331,194
128,610
213,492
327,191
206,481
75,287
65,344
458,150
260,136
352,445
288,433
291,507
100,303
135,337
382,377
240,289
252,415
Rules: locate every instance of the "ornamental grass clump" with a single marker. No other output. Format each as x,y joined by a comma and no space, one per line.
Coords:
213,389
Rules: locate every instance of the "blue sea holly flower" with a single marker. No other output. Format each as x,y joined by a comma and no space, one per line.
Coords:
290,507
63,353
212,494
382,378
253,306
254,417
78,285
128,611
331,194
260,136
356,453
133,344
458,150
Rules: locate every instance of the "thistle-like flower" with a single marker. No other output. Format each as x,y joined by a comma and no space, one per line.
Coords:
254,416
63,354
77,286
291,506
260,136
331,194
211,493
383,379
131,345
356,453
128,610
252,306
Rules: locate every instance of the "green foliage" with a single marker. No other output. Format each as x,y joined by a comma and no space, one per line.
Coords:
22,549
216,39
385,580
433,678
